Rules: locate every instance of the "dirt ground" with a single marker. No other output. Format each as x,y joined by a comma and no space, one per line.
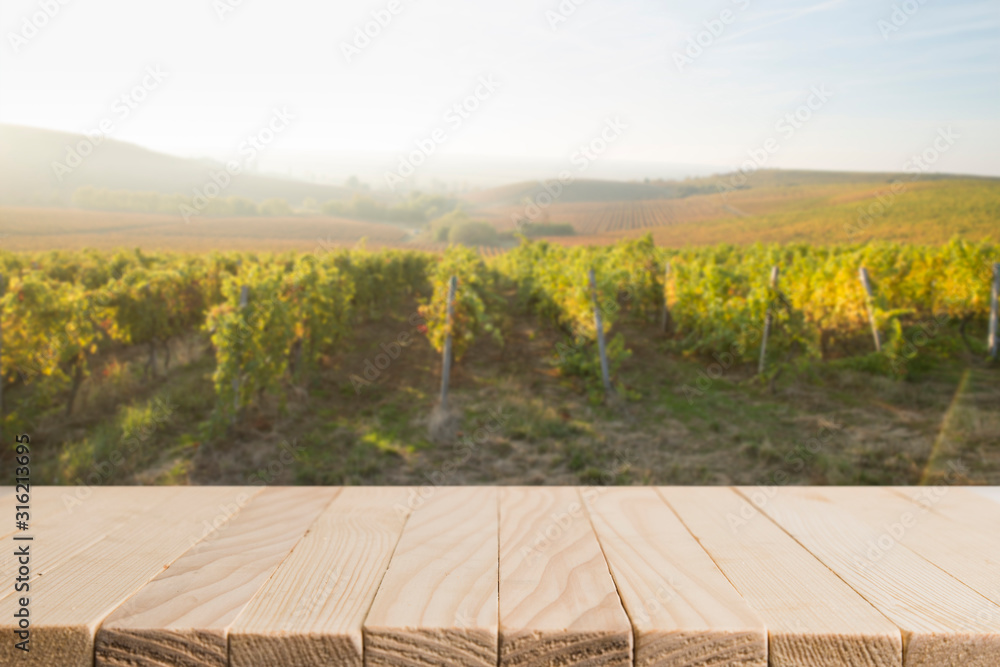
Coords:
512,419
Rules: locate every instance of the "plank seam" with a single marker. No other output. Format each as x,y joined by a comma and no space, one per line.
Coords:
903,635
381,580
600,545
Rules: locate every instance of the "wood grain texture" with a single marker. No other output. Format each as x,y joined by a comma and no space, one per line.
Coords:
683,609
944,621
48,503
990,492
437,604
66,528
182,617
310,613
558,603
68,603
969,507
971,556
813,618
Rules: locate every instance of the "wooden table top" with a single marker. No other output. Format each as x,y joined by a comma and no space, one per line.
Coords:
526,576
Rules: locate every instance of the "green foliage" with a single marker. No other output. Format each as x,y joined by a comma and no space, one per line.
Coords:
474,233
60,308
476,301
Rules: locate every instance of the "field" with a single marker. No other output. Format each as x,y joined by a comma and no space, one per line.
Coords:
29,229
147,368
142,339
925,211
921,212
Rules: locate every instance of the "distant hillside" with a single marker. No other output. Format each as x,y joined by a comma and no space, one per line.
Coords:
771,178
576,191
27,176
617,191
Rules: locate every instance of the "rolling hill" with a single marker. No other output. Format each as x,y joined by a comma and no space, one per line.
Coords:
28,177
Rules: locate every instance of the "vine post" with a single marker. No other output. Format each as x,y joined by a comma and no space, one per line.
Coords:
666,322
600,334
244,299
994,340
768,318
867,284
446,358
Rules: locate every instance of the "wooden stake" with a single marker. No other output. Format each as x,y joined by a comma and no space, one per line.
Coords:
767,322
446,360
244,299
994,340
600,334
665,325
871,308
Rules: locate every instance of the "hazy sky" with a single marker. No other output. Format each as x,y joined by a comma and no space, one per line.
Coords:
893,85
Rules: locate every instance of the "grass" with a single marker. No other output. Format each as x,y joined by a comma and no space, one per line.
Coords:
521,423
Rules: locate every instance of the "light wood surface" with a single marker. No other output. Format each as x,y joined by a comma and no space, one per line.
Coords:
183,615
558,603
437,604
990,492
310,613
69,602
968,507
814,619
428,576
971,556
105,511
944,621
683,609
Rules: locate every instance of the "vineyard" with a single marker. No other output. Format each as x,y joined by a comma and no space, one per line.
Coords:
273,321
924,212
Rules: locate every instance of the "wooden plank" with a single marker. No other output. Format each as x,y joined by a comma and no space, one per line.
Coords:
68,528
990,492
971,556
70,601
558,603
943,620
683,609
967,506
48,502
437,604
183,615
310,613
813,618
